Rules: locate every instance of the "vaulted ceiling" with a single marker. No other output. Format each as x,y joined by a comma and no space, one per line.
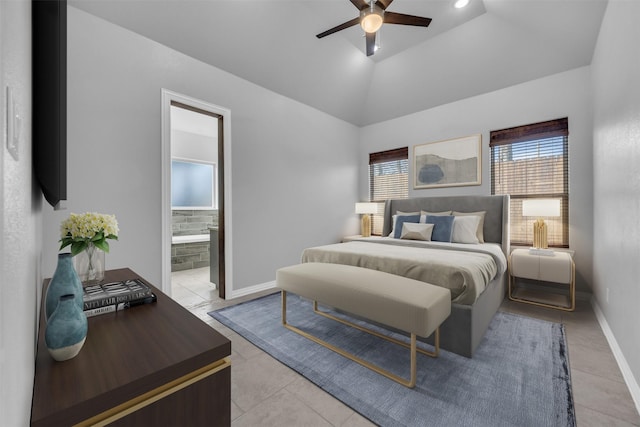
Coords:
489,45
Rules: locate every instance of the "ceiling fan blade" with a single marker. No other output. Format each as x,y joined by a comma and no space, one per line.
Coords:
347,24
360,4
371,43
384,3
402,19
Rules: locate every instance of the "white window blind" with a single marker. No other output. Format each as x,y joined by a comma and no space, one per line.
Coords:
532,161
388,179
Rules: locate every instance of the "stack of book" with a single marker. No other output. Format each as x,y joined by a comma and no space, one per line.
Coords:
115,296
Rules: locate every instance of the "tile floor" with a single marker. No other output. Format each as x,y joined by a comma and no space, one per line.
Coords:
264,392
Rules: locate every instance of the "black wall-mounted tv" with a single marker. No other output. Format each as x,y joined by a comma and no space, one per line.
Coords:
49,33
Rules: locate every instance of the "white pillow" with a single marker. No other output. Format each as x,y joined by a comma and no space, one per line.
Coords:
481,214
465,229
423,215
415,231
443,213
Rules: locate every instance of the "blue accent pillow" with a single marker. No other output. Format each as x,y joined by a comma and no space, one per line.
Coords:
442,227
401,219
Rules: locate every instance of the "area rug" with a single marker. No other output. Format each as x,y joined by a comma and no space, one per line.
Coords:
519,375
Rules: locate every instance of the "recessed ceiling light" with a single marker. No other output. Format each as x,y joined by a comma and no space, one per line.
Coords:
459,4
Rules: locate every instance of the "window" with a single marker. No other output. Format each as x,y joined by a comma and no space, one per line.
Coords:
388,179
532,161
192,185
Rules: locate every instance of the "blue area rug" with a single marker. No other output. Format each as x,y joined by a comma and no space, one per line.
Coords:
519,375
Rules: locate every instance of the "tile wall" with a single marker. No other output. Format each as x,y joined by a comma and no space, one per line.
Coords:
185,256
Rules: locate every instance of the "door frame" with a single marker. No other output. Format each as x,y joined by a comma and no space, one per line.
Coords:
224,202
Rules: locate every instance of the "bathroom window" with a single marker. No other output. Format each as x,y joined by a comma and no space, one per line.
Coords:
193,185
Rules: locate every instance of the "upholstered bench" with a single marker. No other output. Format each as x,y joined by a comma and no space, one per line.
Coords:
409,305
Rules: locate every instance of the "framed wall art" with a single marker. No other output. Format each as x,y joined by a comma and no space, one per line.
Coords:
450,163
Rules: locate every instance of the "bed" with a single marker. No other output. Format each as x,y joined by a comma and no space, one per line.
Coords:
475,273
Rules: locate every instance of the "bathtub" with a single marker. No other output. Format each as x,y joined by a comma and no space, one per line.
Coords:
195,238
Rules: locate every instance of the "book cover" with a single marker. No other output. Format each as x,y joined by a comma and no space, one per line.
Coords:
121,306
106,294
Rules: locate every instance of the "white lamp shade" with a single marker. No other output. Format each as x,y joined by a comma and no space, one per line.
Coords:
541,207
366,208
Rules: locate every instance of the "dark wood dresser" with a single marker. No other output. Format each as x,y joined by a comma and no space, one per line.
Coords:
150,365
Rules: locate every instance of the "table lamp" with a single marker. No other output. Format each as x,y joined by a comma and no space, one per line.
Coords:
366,208
540,208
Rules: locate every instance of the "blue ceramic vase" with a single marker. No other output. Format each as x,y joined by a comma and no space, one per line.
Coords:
65,281
66,329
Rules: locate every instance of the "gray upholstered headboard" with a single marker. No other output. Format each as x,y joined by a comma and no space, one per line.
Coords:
496,222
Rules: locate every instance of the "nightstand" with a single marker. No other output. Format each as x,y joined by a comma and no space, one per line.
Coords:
359,237
557,268
351,238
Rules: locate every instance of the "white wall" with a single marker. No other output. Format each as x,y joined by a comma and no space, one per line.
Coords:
294,173
616,177
20,215
561,95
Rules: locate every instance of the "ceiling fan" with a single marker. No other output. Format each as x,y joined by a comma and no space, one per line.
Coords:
372,15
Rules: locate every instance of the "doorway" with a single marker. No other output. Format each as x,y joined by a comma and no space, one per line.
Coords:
195,190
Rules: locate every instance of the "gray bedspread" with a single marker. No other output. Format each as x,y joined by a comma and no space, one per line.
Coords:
463,269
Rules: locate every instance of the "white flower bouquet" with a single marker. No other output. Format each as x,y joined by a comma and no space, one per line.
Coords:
81,230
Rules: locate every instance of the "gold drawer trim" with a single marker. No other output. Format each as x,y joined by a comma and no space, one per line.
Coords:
154,395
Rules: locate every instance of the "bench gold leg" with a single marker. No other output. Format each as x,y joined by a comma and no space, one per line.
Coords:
436,338
412,346
284,307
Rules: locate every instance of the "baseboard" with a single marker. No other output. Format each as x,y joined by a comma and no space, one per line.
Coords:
629,379
252,290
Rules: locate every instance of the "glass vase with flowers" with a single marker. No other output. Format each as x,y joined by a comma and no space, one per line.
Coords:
87,234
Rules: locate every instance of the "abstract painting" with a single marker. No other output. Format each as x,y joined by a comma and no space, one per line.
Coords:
454,162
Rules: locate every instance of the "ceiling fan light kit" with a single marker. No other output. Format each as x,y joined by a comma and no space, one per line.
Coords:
371,18
372,15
